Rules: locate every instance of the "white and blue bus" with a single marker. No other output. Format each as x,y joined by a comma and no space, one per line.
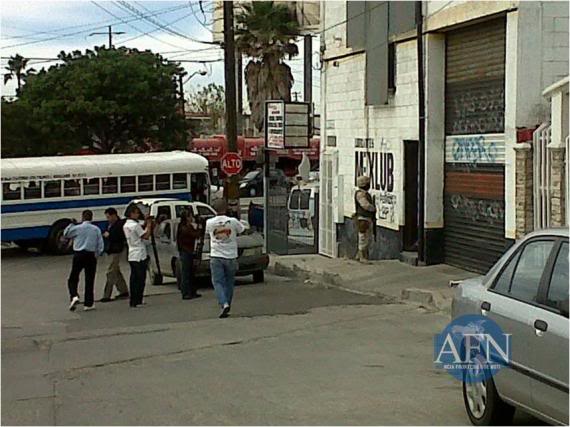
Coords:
40,195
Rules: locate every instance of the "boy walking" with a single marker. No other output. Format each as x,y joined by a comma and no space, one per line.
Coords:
223,232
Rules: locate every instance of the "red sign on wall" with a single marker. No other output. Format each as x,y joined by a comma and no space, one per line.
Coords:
231,164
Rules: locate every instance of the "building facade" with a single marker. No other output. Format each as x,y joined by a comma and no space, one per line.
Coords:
486,65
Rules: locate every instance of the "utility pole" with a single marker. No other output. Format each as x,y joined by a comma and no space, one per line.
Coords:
231,189
308,69
422,136
181,84
240,93
110,34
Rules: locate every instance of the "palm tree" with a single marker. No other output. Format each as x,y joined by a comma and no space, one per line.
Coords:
266,32
16,66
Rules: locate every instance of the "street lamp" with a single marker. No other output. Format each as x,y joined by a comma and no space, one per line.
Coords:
200,72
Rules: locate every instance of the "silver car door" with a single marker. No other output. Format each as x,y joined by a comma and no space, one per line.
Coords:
164,245
513,293
549,342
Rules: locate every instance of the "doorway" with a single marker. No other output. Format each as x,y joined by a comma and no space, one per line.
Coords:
410,235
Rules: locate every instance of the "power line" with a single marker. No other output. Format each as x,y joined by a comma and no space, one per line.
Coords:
146,33
130,7
160,12
134,27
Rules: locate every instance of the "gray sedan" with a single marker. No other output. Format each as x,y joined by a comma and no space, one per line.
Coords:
526,294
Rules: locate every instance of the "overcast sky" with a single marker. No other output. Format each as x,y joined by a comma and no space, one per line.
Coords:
42,29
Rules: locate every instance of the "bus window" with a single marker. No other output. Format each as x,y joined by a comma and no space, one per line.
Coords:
110,185
180,181
145,182
128,184
163,182
32,190
90,186
12,191
52,188
72,187
199,187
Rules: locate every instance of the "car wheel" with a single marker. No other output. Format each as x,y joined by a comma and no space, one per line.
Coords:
155,278
178,270
483,404
258,277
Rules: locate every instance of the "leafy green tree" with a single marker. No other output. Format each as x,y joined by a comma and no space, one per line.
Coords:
16,66
210,100
118,100
266,33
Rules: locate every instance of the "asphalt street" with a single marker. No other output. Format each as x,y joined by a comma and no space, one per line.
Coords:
289,354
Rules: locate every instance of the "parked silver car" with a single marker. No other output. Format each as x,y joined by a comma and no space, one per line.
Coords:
526,294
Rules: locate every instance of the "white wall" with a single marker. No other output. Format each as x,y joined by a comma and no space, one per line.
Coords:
554,41
537,56
348,118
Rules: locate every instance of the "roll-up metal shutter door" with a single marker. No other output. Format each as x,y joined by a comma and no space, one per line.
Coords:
474,201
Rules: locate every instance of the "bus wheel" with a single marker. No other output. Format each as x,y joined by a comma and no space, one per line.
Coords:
25,244
55,243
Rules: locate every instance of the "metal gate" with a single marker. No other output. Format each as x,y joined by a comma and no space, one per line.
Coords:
327,227
541,176
474,202
291,213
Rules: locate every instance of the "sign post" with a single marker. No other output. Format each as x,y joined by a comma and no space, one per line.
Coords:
287,126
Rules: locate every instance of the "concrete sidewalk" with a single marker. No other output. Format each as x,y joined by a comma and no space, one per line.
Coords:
388,279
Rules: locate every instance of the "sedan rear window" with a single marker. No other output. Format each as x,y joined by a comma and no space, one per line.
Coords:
558,290
526,278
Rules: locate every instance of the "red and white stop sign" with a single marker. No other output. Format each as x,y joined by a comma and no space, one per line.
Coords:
231,164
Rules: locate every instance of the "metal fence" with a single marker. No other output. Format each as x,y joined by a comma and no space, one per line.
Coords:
541,176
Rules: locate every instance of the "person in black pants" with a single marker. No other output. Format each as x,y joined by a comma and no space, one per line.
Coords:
137,236
187,235
87,245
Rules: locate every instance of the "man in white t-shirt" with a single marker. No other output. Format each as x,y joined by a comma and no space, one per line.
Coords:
223,231
137,238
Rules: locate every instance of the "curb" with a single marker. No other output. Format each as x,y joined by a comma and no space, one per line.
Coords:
431,300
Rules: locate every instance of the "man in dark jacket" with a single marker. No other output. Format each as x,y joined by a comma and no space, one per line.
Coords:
186,238
115,248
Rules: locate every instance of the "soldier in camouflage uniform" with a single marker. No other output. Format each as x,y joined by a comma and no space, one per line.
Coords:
365,216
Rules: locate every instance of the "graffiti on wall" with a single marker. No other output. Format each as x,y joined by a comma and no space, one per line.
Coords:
474,150
489,211
475,111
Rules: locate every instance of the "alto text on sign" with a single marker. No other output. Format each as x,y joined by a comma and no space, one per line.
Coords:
231,164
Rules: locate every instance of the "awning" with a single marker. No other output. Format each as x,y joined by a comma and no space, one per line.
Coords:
248,148
212,148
